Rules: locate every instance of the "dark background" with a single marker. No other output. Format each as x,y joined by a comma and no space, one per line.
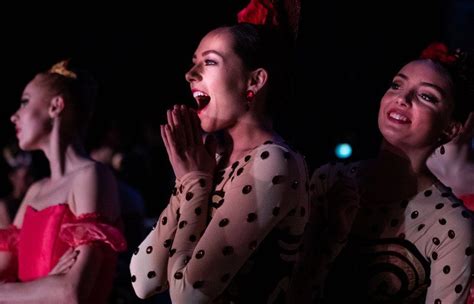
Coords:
346,55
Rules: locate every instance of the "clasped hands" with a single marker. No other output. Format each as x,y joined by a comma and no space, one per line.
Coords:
184,143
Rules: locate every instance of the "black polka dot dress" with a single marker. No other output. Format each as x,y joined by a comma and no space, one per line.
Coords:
232,237
412,250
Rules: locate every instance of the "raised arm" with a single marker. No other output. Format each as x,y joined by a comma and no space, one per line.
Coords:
204,255
451,257
148,264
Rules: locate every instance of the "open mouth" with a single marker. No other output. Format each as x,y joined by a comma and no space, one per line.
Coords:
202,99
398,117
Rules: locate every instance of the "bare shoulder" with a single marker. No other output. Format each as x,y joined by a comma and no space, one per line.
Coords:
34,189
94,172
95,190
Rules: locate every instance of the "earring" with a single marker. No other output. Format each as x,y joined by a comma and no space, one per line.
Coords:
250,95
442,150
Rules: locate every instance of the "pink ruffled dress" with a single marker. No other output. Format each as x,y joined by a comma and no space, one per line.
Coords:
47,234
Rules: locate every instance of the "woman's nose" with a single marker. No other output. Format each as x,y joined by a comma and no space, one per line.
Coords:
14,117
193,74
404,99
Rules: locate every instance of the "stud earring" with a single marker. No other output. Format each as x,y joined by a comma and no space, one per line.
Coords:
250,95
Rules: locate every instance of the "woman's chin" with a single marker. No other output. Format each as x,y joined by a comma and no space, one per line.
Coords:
25,146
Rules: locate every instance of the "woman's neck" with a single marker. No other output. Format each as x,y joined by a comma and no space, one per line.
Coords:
453,161
64,155
236,142
249,132
408,170
454,168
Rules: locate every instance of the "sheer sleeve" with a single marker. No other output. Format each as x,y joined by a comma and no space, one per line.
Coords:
91,227
451,258
199,257
148,265
261,193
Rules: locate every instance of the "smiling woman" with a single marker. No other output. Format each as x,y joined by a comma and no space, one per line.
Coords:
386,230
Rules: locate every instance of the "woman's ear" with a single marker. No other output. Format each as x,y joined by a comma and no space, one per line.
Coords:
467,131
453,129
258,78
56,106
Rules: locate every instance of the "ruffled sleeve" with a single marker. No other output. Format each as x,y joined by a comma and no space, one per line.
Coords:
91,227
9,238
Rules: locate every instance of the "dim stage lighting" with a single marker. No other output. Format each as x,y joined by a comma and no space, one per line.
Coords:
343,150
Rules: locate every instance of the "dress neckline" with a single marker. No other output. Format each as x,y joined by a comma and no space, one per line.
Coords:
49,207
274,141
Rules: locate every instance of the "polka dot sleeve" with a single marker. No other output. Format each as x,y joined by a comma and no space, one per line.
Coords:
148,266
261,193
450,254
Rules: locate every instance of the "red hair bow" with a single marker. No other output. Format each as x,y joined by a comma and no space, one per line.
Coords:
439,51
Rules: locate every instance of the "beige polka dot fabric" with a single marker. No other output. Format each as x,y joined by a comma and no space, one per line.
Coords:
414,249
232,237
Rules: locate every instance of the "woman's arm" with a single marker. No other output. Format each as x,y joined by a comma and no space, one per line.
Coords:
451,258
148,275
73,287
94,190
205,257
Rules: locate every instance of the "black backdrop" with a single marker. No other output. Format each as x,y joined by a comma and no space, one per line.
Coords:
346,55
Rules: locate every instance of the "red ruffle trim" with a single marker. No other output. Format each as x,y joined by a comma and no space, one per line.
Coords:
9,238
88,228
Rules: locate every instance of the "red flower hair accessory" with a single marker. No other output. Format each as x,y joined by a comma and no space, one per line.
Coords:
439,51
283,14
259,12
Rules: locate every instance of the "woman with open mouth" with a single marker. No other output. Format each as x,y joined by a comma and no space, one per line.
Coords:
235,220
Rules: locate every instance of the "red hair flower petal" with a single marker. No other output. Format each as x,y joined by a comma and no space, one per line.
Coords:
259,12
438,51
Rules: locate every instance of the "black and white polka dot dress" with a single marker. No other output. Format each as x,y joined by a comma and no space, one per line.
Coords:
233,237
416,250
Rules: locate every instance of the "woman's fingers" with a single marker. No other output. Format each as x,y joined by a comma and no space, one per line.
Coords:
187,125
164,137
178,130
169,118
171,144
196,125
185,128
66,262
